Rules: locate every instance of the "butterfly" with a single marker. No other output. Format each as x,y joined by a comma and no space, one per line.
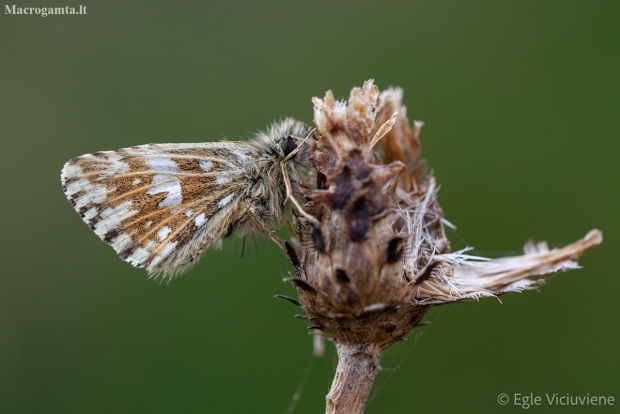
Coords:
161,206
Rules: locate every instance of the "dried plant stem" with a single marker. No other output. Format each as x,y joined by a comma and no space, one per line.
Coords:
358,365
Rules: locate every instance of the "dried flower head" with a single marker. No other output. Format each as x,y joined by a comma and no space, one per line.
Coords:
371,255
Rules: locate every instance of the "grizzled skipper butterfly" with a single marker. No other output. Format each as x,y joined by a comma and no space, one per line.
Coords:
160,206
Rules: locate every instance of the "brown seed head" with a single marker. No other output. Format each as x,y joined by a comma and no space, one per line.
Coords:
380,257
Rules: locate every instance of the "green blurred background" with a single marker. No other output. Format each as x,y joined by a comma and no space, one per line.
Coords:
521,101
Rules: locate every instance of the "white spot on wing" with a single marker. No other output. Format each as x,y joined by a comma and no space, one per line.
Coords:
111,218
223,179
205,164
90,213
80,185
113,156
171,185
141,254
200,220
165,252
138,256
121,242
226,200
163,232
136,181
241,149
71,171
240,155
161,164
189,212
148,224
115,168
93,194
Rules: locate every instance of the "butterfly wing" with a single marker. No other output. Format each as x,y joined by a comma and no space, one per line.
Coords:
161,205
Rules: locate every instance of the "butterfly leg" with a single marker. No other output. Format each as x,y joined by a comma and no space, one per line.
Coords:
287,248
279,242
289,196
291,230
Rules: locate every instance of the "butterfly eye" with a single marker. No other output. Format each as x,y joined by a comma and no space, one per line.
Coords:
288,145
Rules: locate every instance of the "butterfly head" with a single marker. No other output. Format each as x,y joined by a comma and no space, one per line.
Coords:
283,139
288,145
